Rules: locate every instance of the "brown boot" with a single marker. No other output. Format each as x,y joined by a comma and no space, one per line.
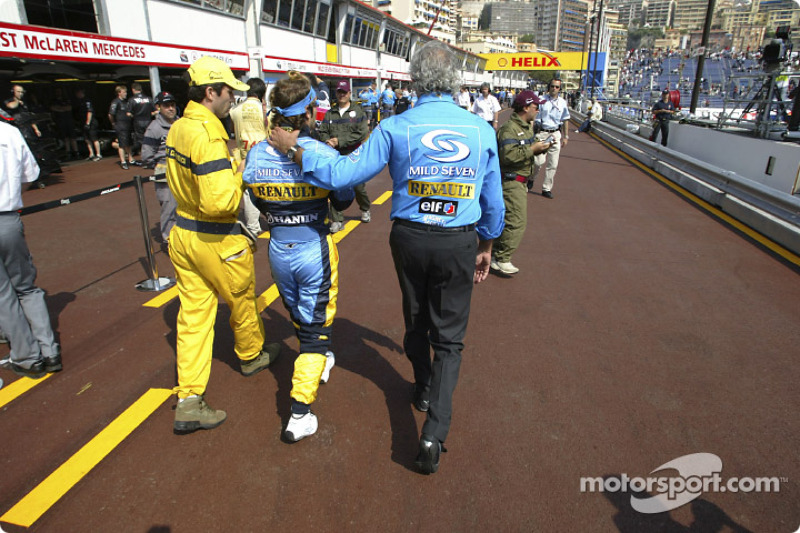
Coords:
194,413
262,360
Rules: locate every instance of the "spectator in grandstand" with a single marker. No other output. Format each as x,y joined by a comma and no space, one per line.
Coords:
662,113
120,119
344,128
88,121
154,156
553,120
211,255
302,254
141,110
486,106
249,128
24,317
442,235
517,145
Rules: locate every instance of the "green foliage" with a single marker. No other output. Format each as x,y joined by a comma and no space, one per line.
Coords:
527,38
643,37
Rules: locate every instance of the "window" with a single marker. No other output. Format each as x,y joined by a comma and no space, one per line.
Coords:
322,19
75,15
284,12
234,7
395,42
297,14
269,11
361,29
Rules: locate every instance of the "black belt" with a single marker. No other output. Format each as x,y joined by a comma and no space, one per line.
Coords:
215,228
551,131
430,227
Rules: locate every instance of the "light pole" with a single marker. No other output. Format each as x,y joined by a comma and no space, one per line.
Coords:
597,46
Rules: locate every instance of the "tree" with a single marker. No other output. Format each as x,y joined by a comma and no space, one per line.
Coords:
643,37
527,38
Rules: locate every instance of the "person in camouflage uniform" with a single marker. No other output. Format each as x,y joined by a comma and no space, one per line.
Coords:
517,144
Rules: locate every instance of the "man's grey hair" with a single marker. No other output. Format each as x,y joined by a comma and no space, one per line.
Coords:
433,69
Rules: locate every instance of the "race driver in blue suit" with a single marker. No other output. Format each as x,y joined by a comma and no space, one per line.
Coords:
302,254
447,206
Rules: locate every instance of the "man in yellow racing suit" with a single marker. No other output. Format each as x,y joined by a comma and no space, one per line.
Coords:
212,257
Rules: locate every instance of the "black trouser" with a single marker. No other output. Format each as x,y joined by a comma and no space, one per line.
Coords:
662,125
435,270
139,127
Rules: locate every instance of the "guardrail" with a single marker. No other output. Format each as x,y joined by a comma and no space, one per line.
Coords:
774,214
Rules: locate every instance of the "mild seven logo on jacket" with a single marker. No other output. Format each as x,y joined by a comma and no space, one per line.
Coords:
444,151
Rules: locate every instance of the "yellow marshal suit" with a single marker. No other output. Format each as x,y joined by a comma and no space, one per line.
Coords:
208,265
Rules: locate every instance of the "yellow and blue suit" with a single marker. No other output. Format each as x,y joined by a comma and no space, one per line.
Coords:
302,255
211,257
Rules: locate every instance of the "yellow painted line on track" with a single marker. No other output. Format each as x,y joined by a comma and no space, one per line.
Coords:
14,390
382,198
750,232
48,492
162,298
267,297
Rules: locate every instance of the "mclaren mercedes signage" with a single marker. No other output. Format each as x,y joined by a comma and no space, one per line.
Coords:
536,61
22,42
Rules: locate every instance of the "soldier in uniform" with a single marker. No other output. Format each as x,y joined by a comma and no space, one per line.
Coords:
211,256
344,128
517,144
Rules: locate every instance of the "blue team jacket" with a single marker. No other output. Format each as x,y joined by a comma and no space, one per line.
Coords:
443,161
295,209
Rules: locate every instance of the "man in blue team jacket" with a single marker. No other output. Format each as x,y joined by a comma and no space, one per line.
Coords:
447,207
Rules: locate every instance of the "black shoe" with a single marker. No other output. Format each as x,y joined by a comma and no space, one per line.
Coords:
124,165
135,163
35,371
53,363
430,450
547,194
421,403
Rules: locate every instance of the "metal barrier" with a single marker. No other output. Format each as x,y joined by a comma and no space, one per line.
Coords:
154,282
774,214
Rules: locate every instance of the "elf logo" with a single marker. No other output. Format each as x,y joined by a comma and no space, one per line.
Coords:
439,207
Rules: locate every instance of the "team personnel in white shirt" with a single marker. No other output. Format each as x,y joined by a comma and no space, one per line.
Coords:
553,121
486,106
23,313
463,99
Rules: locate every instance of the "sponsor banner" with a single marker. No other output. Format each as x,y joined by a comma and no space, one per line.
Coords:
282,64
44,43
536,61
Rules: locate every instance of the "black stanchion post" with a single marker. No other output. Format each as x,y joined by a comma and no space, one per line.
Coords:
154,283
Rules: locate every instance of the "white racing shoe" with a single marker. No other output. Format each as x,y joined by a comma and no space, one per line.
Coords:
326,374
302,426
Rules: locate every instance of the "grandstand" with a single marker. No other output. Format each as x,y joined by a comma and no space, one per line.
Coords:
723,78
